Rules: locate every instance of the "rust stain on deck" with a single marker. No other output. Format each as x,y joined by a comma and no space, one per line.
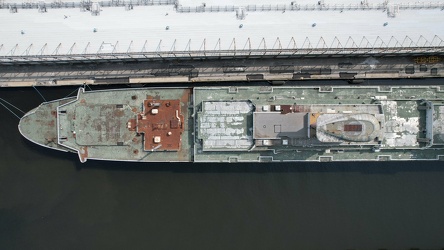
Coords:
83,153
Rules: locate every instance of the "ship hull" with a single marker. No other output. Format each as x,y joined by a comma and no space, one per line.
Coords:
244,124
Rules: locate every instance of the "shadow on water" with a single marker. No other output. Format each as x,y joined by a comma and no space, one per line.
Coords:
277,167
296,167
386,167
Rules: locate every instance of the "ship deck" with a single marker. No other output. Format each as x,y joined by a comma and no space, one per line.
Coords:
404,132
245,124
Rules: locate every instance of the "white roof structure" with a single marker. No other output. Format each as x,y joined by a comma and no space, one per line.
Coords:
159,28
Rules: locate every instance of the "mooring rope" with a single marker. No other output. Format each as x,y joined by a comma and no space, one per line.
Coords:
39,92
72,92
12,112
86,85
12,105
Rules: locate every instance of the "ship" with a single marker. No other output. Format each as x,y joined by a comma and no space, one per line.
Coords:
244,124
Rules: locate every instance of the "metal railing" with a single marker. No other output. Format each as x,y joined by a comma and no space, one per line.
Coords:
226,8
309,7
365,47
193,54
80,4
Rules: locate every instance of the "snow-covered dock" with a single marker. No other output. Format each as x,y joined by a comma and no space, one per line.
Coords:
62,30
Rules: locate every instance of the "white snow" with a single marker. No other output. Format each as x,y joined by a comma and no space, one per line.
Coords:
63,31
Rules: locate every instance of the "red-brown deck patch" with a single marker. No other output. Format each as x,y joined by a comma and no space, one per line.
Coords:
353,127
161,122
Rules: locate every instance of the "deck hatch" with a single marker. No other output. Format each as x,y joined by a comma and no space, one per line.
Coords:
275,125
223,126
353,127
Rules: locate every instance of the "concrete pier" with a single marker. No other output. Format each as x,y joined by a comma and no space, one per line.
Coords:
351,69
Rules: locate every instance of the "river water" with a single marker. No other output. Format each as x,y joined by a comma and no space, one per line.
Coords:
48,200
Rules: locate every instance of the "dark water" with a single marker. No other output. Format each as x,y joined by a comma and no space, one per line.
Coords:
48,200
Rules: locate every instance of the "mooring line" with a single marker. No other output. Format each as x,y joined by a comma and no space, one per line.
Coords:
12,105
39,92
72,92
86,85
10,110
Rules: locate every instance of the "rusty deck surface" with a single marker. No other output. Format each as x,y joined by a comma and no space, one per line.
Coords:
160,122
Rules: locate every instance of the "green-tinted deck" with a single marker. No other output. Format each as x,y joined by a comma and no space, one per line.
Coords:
95,125
404,123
